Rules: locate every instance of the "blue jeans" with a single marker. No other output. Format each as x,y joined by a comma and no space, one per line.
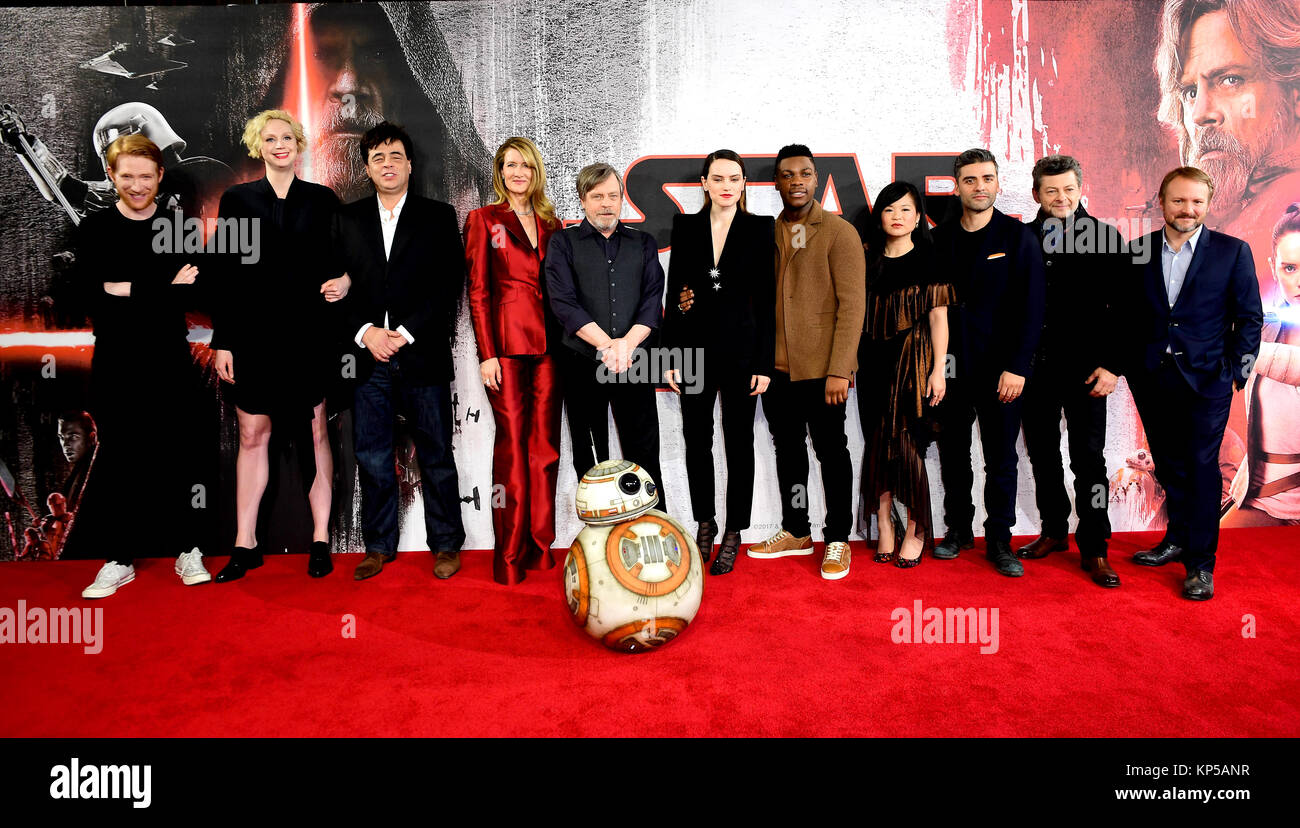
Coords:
427,409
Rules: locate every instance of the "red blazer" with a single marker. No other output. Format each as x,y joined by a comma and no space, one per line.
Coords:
506,300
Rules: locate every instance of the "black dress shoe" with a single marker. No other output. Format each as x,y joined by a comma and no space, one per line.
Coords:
1199,585
704,539
1100,569
1042,547
1163,553
951,546
241,560
319,563
1003,559
726,554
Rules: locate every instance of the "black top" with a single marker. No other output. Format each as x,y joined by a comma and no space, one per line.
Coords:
587,275
114,248
998,276
733,315
1084,260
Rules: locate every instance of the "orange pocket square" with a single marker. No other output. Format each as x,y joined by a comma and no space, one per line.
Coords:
996,255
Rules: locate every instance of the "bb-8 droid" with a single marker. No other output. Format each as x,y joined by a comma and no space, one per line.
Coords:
633,577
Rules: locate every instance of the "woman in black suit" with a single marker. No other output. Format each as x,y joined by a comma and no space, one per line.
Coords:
272,332
724,258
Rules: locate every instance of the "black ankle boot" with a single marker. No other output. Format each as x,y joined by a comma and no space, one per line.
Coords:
726,553
241,560
319,563
704,538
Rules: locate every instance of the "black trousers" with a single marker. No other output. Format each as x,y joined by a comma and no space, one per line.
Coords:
1185,431
732,383
589,393
1052,392
795,411
999,425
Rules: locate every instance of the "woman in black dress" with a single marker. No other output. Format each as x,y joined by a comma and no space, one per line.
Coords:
724,258
901,370
273,332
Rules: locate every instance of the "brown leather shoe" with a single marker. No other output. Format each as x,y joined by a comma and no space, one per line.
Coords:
1100,569
1041,547
448,564
371,565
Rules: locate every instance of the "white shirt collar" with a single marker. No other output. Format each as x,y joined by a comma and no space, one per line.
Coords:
397,209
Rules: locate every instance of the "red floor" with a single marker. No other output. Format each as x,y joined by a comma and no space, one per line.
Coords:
775,651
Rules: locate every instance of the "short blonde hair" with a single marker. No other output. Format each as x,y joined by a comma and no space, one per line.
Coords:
133,144
1191,174
253,130
537,190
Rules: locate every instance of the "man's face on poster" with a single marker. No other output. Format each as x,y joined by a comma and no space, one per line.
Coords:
1234,116
353,49
72,439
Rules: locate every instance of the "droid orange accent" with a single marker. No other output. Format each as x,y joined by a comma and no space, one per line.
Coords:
625,639
629,578
583,595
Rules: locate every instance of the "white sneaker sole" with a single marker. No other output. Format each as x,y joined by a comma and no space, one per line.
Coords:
191,580
104,592
782,554
836,576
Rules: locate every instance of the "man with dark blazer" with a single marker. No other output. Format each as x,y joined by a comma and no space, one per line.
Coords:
606,287
1075,368
407,264
996,264
1197,315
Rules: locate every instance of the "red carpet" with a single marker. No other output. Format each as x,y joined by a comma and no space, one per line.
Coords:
775,651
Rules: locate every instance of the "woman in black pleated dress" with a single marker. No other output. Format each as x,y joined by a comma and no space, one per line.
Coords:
901,371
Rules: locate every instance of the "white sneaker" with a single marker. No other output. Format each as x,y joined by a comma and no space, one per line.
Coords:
189,565
111,576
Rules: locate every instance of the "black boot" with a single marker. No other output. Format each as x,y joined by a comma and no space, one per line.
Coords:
241,560
726,553
319,563
704,538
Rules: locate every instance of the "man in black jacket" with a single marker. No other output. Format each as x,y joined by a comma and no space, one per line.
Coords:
406,260
1082,257
996,265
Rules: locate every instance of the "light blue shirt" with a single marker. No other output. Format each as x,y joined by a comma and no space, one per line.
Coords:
1174,265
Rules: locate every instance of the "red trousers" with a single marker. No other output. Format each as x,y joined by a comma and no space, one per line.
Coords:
525,463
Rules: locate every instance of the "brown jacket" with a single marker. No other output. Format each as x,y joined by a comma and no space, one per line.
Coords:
821,297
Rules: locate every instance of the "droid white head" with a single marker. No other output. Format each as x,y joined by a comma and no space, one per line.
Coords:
615,491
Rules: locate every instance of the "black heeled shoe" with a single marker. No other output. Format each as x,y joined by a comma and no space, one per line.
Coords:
882,555
319,563
704,537
241,560
726,554
900,530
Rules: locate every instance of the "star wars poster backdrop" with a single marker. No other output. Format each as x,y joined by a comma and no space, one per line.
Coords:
879,91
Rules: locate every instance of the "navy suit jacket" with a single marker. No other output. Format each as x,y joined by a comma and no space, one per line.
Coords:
1002,298
1214,327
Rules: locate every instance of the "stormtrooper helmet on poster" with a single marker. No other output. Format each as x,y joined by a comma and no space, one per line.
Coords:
615,491
132,118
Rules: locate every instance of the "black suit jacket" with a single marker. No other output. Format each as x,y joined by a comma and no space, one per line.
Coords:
737,322
1214,327
418,285
999,320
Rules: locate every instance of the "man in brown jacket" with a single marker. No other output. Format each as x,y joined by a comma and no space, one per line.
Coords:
820,302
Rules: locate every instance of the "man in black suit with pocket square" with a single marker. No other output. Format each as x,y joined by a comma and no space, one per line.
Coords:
407,264
996,264
1194,303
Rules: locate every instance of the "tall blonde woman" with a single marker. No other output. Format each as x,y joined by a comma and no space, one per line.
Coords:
273,332
505,243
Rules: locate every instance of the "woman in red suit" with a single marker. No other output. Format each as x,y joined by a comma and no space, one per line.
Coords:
504,246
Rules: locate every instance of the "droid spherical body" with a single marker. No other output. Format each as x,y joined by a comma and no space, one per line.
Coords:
633,578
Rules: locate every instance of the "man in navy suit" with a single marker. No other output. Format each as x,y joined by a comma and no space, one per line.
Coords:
407,264
1198,316
996,264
